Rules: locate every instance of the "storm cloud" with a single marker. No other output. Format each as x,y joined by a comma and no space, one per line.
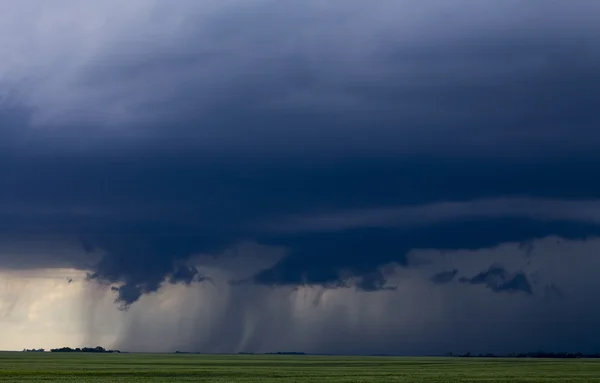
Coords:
141,143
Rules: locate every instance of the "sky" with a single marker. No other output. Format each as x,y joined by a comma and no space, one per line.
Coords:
388,177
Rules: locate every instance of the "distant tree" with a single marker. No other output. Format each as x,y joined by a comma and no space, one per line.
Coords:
84,349
537,354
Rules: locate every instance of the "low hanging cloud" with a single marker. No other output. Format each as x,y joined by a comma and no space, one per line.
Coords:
141,143
499,280
535,209
418,317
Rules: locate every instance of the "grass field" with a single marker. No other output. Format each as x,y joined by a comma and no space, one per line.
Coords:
46,367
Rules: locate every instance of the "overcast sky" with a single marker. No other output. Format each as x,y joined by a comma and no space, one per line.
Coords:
234,157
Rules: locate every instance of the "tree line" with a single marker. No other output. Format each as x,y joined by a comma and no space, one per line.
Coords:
69,349
537,354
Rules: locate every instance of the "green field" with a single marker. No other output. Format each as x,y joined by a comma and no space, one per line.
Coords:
46,367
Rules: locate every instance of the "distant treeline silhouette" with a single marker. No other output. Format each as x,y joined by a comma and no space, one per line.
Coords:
84,349
274,353
249,353
537,354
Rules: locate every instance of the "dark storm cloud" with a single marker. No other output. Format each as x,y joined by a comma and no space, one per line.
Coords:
141,262
133,286
185,274
328,257
497,279
553,291
226,127
147,216
444,277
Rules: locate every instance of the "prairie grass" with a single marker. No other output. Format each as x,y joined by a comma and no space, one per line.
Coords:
79,367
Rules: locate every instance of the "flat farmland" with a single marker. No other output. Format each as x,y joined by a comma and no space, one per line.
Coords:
83,367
